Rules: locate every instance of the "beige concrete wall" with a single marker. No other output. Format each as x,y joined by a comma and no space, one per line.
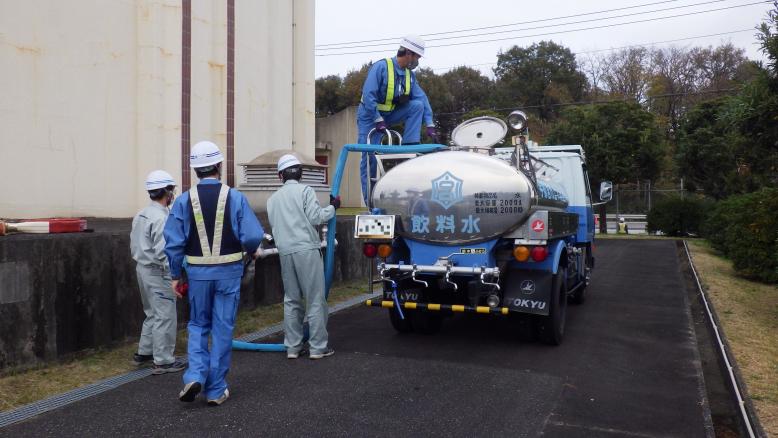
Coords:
90,97
337,130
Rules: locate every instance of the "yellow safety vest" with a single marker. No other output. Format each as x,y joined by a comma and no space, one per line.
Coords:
388,105
210,257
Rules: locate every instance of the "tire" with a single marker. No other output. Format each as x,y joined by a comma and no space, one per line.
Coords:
399,324
551,328
425,322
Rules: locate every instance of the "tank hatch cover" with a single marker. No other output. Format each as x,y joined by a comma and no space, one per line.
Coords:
480,132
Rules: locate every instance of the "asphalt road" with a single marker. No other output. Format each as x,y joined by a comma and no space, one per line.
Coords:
629,366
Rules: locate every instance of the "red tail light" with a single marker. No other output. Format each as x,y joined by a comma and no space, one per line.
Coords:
369,250
539,253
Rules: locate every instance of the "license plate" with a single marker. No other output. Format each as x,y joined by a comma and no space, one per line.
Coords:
472,250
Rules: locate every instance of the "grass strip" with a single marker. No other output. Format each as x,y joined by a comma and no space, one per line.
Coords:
748,313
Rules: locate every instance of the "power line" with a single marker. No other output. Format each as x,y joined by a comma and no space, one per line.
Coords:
540,27
502,25
566,31
616,48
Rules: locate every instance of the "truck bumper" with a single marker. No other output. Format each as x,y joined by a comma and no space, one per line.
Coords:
431,307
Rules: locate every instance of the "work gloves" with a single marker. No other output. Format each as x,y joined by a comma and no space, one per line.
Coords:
335,201
380,126
432,133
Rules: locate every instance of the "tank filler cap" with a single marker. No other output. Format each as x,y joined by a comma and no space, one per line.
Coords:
483,131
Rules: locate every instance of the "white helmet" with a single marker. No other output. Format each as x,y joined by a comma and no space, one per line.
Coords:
287,161
205,153
414,43
159,179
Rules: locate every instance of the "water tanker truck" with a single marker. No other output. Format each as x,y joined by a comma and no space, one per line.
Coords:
478,228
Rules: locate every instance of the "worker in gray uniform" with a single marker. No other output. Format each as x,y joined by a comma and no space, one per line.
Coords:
147,246
293,212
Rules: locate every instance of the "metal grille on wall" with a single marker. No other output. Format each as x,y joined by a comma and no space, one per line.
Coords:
267,175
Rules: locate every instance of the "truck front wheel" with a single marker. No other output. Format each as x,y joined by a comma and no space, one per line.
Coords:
551,328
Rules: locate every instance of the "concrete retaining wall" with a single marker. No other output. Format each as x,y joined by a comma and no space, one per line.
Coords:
63,293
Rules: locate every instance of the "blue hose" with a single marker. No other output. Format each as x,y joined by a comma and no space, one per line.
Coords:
396,301
250,346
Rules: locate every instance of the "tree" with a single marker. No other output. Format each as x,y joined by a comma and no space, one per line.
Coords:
543,75
622,141
351,92
730,146
328,95
705,156
626,73
469,90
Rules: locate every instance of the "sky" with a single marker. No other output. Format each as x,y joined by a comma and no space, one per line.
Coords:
360,22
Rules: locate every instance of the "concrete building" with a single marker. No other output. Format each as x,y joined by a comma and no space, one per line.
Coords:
96,94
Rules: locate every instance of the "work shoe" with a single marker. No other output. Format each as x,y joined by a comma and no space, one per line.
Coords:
141,359
168,368
221,399
295,354
325,353
189,392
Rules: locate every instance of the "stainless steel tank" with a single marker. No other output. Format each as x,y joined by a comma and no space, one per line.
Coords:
460,197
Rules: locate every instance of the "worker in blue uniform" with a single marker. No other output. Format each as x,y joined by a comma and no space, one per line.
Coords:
391,95
210,226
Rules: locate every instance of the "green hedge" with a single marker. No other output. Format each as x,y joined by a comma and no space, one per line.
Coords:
745,229
676,216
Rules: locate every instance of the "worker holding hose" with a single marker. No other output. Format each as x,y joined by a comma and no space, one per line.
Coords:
294,212
210,226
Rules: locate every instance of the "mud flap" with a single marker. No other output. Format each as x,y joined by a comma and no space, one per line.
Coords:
527,291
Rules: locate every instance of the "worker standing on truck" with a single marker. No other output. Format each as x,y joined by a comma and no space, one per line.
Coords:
211,226
392,95
294,212
147,246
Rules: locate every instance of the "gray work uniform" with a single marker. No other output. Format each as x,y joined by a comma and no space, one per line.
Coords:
147,246
293,212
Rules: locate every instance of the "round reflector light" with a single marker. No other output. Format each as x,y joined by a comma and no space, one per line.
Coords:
369,250
521,253
384,250
539,253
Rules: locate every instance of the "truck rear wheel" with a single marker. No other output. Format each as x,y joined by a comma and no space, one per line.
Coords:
399,324
551,328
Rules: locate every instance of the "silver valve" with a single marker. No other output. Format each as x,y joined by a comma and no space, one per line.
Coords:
413,277
486,283
448,280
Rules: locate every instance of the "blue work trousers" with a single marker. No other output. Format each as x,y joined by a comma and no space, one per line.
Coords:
410,113
213,306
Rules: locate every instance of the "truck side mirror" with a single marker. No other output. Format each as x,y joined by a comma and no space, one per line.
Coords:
606,191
